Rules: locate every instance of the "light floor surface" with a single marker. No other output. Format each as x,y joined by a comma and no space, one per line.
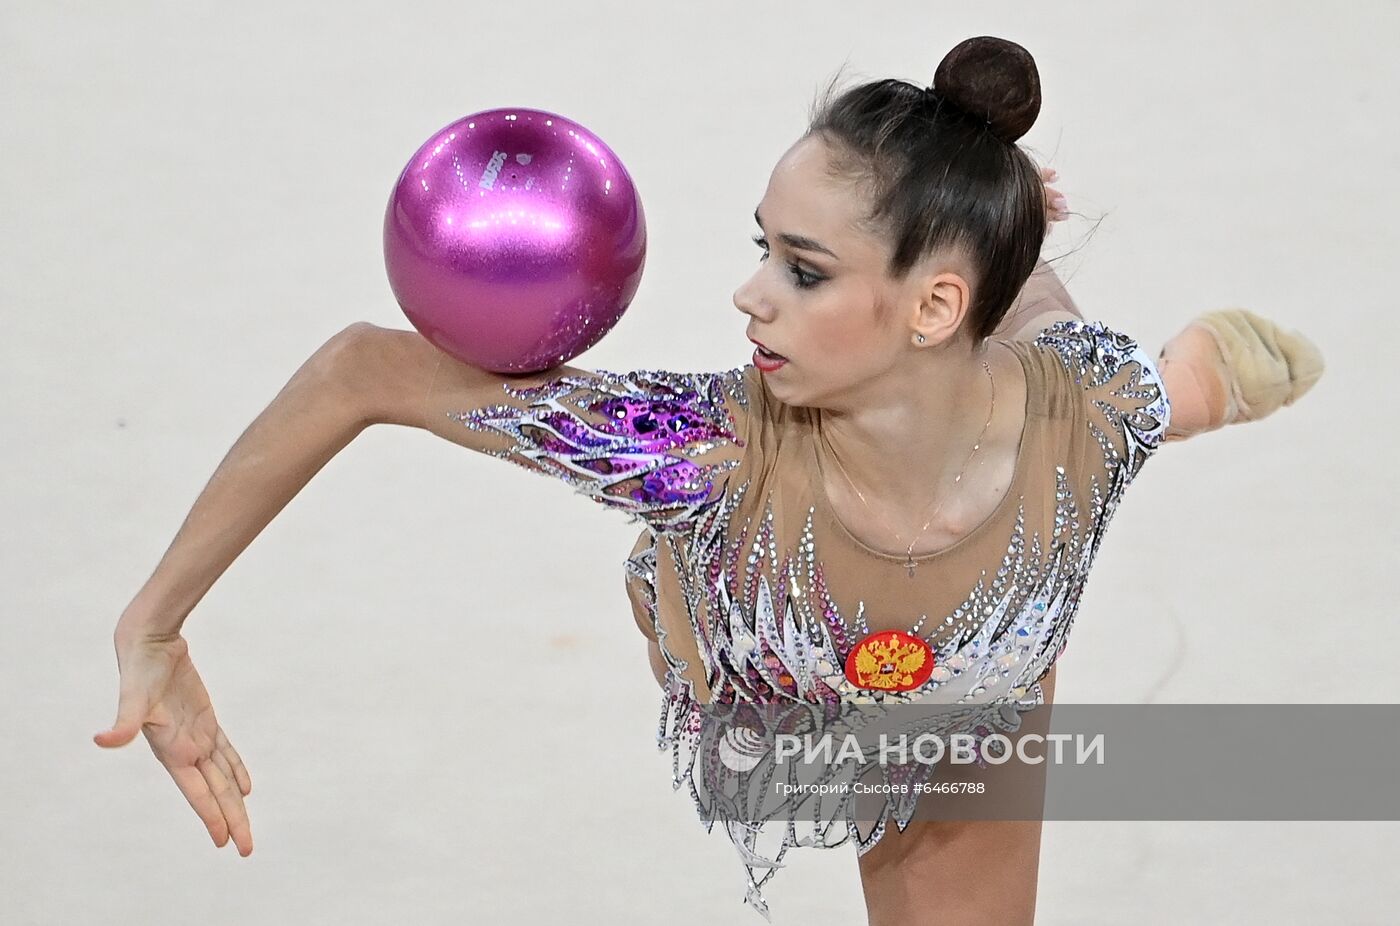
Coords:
428,659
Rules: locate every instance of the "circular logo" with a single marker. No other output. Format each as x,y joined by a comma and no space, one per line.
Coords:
741,748
890,660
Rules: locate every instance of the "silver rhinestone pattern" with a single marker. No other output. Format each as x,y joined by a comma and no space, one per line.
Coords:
767,628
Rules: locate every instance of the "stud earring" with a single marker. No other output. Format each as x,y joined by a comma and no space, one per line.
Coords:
919,338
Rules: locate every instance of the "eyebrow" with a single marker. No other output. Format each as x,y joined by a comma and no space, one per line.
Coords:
799,242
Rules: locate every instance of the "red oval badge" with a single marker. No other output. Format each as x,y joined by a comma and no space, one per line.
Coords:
890,660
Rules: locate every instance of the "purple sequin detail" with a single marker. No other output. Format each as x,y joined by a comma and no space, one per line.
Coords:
626,439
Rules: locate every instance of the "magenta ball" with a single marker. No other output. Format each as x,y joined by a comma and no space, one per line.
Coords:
514,240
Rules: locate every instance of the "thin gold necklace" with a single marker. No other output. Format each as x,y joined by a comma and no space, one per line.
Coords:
910,564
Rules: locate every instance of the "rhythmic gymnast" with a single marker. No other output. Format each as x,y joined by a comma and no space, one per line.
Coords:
930,438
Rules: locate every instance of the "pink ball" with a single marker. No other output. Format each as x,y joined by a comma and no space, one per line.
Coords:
514,240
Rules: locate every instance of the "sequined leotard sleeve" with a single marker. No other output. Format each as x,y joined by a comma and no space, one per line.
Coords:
656,445
1126,406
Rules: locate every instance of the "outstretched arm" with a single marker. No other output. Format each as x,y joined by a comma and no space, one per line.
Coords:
1224,367
361,376
160,692
349,383
1194,392
1189,374
396,376
317,413
653,444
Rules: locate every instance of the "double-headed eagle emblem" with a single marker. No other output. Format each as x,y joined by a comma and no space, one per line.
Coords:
890,661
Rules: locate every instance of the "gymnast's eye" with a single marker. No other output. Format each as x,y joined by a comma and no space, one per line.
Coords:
802,278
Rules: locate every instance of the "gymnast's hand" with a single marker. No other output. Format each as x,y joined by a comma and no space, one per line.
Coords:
162,696
1056,207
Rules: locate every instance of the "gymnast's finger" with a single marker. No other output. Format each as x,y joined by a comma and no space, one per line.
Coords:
230,802
235,761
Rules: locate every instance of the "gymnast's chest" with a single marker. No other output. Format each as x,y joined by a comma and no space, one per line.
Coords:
773,565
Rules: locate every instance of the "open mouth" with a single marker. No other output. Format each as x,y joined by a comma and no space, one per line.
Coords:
768,353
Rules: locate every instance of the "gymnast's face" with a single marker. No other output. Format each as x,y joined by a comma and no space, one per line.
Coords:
820,296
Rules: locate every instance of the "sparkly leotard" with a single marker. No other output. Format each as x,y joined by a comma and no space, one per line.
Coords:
756,593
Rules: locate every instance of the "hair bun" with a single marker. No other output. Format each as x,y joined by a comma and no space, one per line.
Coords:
993,79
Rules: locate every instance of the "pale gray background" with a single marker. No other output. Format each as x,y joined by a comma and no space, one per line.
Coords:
192,199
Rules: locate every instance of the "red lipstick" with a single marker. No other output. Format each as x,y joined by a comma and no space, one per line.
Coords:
767,361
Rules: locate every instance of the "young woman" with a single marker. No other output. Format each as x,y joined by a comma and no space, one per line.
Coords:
929,439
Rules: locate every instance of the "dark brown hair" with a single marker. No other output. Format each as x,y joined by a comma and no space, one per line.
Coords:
942,167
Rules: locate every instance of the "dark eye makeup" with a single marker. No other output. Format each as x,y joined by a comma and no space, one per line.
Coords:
801,278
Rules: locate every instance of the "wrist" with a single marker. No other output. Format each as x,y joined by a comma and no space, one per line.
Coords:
144,618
